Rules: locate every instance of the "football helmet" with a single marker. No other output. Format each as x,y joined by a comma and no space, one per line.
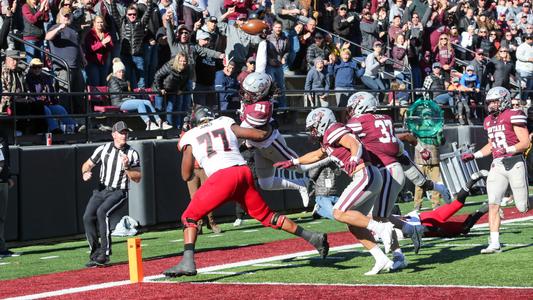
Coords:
500,94
256,87
360,103
202,114
318,121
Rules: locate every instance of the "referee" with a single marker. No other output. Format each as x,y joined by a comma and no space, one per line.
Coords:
120,163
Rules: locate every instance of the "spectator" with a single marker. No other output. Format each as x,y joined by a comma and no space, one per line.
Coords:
38,82
132,33
207,67
35,15
470,80
98,47
303,41
480,68
396,28
83,18
117,83
399,56
211,28
436,83
525,15
170,81
461,102
414,36
396,9
5,184
103,9
373,65
13,81
250,68
326,192
238,42
444,54
318,49
482,41
344,71
64,42
150,46
467,20
524,63
509,41
369,31
227,87
241,7
193,11
501,68
467,42
288,12
317,80
342,24
277,53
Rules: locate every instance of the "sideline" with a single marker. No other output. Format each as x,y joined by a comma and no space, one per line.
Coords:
149,279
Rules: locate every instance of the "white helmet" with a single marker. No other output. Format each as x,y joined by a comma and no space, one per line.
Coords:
499,94
255,87
318,121
360,103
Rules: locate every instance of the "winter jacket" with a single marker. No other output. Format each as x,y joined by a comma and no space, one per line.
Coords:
524,52
470,81
317,81
344,73
132,34
237,42
315,51
369,33
44,82
170,80
277,49
95,51
432,82
117,85
227,86
341,26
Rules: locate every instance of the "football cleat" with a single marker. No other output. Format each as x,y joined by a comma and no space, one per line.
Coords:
384,266
186,267
320,242
491,249
398,262
385,234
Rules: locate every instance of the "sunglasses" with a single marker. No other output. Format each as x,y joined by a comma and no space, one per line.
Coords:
184,32
443,39
504,51
130,15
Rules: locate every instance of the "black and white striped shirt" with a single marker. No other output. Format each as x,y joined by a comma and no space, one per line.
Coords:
112,173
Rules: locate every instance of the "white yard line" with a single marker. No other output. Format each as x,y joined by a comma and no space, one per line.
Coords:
248,263
49,257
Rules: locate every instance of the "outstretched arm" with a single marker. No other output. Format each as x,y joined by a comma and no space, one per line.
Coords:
253,134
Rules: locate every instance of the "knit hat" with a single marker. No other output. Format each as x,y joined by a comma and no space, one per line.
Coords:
118,65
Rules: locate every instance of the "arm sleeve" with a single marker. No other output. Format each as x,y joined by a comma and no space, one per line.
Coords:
315,165
261,59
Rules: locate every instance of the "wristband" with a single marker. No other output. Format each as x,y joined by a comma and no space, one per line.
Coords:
510,149
295,161
478,154
358,155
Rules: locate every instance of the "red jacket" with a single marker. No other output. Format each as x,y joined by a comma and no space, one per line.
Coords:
95,51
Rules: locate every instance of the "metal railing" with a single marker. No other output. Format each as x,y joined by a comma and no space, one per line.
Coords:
393,107
58,59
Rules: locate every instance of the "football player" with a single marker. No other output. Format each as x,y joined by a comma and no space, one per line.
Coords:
508,138
214,144
359,196
257,92
376,132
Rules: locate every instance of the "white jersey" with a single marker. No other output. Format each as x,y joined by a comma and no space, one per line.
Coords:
264,143
214,145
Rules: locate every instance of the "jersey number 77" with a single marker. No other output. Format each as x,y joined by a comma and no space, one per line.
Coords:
208,137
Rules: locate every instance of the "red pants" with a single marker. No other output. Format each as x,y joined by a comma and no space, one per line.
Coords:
230,184
439,219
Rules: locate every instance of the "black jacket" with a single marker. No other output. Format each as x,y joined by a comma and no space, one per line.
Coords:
117,85
132,34
170,80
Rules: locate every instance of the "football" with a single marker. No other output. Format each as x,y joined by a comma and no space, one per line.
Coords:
254,27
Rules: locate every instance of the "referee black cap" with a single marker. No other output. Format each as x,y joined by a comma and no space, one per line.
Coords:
120,126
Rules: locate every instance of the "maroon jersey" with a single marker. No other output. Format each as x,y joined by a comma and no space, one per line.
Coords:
257,114
500,130
340,155
377,134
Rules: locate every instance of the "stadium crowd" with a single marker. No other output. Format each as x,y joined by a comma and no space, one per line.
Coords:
170,47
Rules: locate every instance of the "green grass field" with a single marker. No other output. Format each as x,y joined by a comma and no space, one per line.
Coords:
441,261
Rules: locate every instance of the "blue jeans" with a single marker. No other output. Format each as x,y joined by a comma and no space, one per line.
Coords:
174,103
325,205
279,78
293,49
445,99
417,76
96,74
140,106
134,70
150,63
31,52
374,84
57,110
